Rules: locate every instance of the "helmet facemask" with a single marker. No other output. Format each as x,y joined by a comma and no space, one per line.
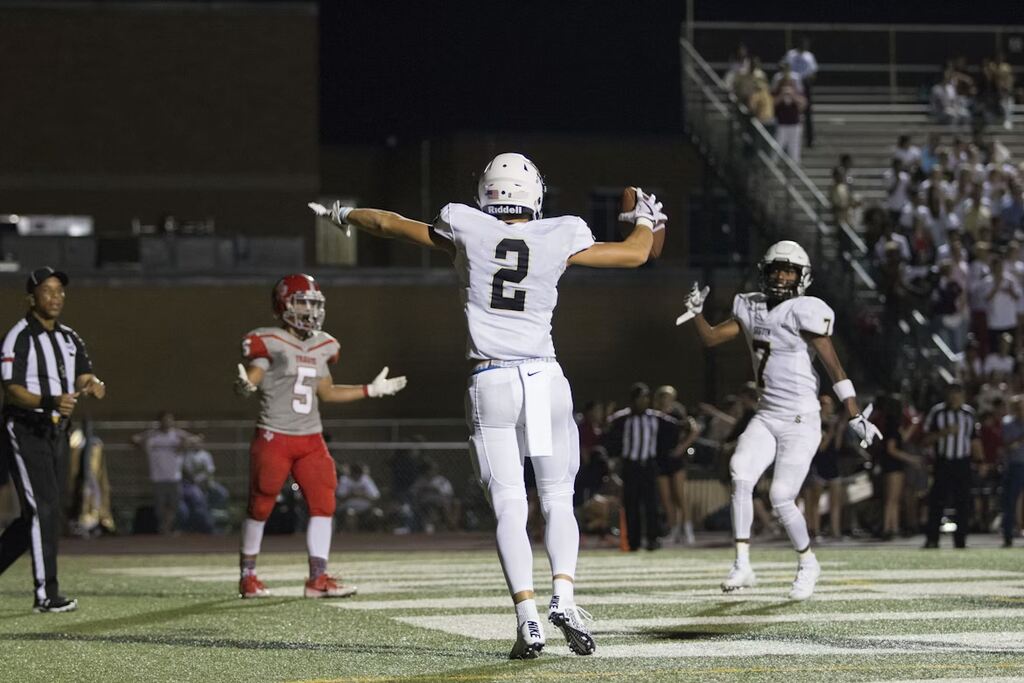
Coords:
777,291
305,311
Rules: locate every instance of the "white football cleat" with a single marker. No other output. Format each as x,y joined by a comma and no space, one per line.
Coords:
807,574
571,620
740,576
529,641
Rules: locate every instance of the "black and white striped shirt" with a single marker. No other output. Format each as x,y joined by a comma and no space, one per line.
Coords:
641,437
957,444
45,362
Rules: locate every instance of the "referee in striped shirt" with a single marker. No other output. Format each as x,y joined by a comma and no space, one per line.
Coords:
45,370
952,428
638,435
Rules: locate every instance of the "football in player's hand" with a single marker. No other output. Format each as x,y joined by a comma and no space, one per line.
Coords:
628,204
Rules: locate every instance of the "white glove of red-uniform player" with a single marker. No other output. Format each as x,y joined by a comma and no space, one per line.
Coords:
865,430
382,386
243,387
648,207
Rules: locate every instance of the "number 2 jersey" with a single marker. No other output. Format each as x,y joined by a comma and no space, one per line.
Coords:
508,278
292,368
783,359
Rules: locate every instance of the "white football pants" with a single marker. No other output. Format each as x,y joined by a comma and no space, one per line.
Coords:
791,443
497,404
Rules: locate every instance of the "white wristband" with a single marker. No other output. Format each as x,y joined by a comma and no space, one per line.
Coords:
343,213
844,389
645,222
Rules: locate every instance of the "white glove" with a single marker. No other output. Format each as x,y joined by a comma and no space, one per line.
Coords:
694,303
243,387
867,431
337,214
382,386
647,206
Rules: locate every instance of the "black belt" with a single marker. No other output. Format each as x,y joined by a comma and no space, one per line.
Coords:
38,422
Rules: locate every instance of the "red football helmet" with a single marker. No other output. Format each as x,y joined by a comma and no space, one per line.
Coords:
298,301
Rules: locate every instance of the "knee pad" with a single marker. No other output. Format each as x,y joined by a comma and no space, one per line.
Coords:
780,496
554,496
260,506
509,503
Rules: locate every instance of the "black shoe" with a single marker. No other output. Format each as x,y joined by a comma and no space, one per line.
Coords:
57,604
1007,542
653,545
931,544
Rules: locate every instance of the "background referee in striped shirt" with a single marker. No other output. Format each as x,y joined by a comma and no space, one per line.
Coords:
638,435
45,370
952,428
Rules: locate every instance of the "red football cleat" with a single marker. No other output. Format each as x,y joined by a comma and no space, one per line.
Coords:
252,587
326,586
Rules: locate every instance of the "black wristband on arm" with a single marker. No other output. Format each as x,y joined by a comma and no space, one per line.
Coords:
48,403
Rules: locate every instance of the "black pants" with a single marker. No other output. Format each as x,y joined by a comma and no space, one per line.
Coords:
640,492
36,455
952,482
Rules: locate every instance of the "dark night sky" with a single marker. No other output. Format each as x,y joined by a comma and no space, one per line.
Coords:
413,69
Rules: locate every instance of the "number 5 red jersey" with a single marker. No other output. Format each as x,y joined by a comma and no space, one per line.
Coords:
292,369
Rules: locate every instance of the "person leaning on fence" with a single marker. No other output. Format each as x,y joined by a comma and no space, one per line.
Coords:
46,371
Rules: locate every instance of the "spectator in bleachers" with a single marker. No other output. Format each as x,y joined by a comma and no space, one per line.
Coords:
949,306
761,103
824,473
846,167
739,65
987,481
789,107
1012,208
978,271
165,447
894,460
843,200
999,363
802,62
930,153
897,190
1013,466
970,372
890,236
947,105
1002,298
357,496
908,153
204,498
974,213
434,499
1001,76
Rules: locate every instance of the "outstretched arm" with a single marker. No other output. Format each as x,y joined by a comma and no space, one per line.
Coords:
709,335
647,217
329,392
386,224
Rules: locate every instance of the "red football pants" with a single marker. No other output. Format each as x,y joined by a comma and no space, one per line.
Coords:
274,456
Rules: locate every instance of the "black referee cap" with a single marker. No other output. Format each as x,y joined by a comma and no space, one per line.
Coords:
37,276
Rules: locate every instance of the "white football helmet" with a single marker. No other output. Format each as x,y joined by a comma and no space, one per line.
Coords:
510,180
789,253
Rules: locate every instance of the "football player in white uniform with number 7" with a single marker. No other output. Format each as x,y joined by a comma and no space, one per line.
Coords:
785,331
518,403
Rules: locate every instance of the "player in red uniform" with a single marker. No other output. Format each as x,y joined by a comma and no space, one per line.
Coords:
289,366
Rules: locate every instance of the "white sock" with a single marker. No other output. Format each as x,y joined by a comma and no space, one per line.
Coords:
513,543
688,528
743,553
526,611
794,523
563,588
742,508
318,537
562,541
252,536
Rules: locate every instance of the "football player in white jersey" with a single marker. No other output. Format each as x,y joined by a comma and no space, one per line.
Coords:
785,331
518,403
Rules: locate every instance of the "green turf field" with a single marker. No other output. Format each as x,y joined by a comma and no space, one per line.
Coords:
881,614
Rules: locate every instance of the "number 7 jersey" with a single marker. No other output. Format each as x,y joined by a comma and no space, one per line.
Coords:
508,278
292,369
783,359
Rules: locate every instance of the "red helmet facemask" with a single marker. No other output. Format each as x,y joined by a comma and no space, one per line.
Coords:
298,301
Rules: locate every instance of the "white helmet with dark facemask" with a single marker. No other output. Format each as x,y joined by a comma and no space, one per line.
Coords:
787,253
511,185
